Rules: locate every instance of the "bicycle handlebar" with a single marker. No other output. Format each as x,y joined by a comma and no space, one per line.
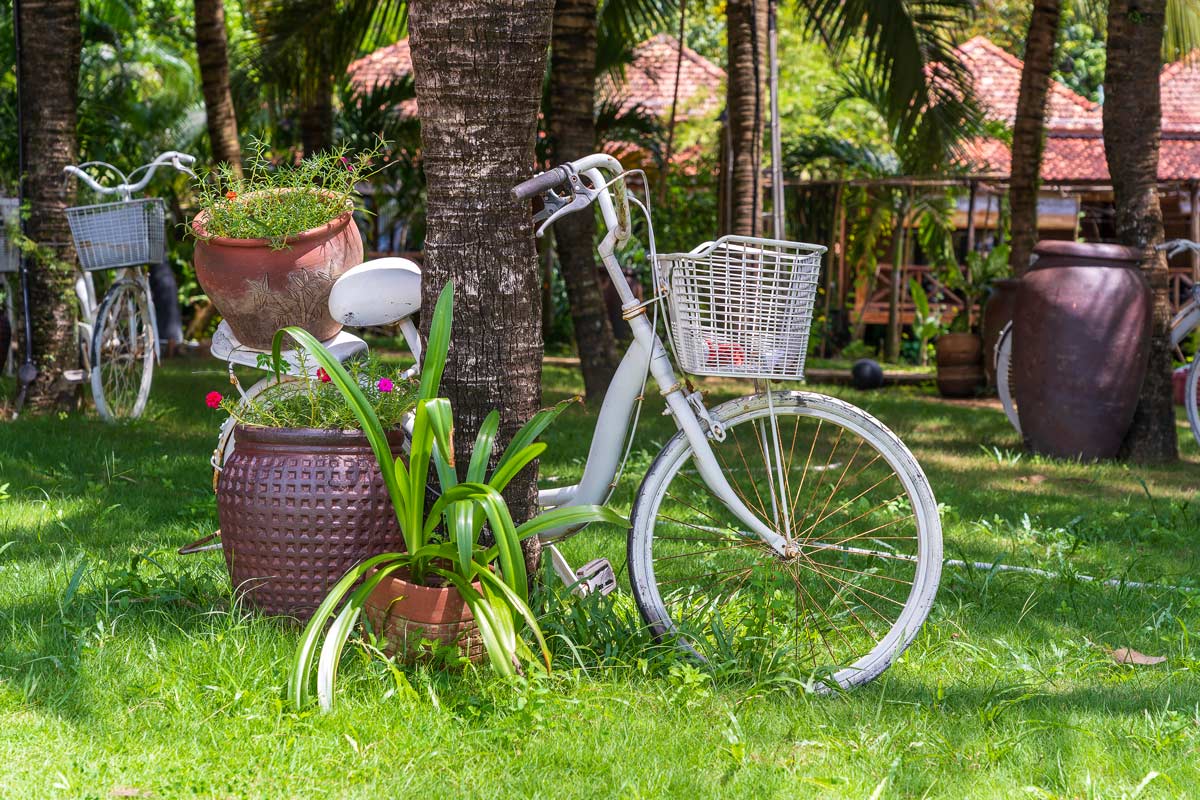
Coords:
180,161
540,183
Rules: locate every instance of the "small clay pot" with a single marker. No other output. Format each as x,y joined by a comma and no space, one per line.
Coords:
298,508
959,364
406,614
259,288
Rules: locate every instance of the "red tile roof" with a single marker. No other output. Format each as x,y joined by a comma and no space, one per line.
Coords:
649,80
1074,142
1181,95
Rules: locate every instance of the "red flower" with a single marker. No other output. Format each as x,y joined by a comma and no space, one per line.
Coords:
231,195
322,375
213,399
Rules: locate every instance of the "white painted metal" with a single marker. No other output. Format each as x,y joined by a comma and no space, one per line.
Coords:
1004,377
744,410
123,346
378,292
1190,401
226,347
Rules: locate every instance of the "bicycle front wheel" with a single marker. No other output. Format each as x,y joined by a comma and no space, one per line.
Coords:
862,519
122,352
1004,377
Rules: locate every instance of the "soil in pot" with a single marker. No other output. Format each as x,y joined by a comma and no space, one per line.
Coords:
1081,332
410,615
298,508
259,288
959,364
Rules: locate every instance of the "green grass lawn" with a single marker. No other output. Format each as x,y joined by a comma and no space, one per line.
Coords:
126,670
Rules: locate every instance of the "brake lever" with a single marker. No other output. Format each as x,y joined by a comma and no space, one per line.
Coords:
580,198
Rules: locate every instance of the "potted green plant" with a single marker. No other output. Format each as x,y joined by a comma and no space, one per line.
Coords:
960,350
270,243
301,499
446,568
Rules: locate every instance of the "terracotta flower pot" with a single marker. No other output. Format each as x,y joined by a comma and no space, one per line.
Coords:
959,364
408,613
259,289
298,508
1081,334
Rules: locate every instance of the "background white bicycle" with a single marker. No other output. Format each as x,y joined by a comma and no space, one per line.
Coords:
1183,324
119,334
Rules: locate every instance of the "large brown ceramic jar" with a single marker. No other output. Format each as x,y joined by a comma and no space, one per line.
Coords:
1081,332
997,312
298,508
259,288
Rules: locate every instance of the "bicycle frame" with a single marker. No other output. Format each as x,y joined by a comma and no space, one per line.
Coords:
646,352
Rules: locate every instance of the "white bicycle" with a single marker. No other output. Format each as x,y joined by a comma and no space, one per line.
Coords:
1185,321
118,335
783,527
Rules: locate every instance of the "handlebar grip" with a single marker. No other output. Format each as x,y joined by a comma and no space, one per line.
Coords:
540,183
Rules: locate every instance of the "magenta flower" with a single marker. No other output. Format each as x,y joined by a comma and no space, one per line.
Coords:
385,385
349,166
213,399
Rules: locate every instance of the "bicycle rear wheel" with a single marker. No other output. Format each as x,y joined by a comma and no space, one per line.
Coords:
862,518
1004,381
122,351
1190,402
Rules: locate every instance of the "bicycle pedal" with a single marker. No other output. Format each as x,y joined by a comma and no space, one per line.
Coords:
74,375
597,576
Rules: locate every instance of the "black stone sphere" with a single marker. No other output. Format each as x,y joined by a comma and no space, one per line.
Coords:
866,374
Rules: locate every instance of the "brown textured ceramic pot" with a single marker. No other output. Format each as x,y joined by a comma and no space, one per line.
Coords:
298,508
407,614
997,312
1081,331
959,364
5,337
259,289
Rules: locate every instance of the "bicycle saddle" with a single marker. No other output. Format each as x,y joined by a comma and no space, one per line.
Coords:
377,292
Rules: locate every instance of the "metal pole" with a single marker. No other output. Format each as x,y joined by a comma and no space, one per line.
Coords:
27,373
777,216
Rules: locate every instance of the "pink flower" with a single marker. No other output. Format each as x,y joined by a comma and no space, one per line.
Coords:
213,399
322,375
349,166
385,385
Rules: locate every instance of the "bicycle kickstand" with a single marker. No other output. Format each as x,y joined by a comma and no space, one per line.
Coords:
595,576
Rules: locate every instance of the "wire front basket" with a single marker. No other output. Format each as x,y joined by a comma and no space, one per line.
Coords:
10,210
122,234
742,307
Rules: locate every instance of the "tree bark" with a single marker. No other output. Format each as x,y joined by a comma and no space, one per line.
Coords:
478,66
573,136
1029,133
213,58
316,115
49,69
747,34
1132,128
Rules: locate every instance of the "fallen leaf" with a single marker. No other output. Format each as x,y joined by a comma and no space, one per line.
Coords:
1034,479
1127,655
130,791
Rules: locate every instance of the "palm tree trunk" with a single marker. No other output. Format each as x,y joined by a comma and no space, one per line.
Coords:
1029,131
747,34
49,70
1132,128
572,136
478,66
212,55
316,115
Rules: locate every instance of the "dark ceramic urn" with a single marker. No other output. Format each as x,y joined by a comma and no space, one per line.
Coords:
1081,332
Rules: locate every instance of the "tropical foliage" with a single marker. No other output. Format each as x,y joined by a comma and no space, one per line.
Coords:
442,541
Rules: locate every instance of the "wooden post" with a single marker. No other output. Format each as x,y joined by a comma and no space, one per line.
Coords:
842,274
971,220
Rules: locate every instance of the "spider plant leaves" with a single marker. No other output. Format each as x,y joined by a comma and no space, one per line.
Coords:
569,516
433,364
532,429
